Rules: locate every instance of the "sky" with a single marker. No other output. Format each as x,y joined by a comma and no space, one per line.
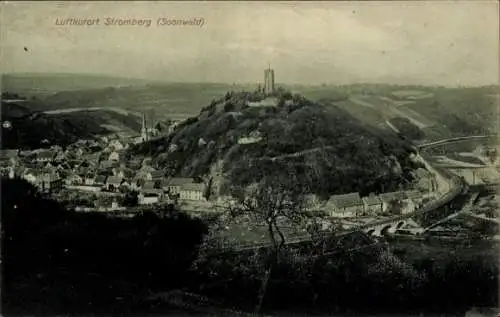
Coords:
430,43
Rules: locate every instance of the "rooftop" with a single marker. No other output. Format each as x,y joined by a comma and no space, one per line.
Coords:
100,179
387,197
115,180
178,181
372,200
412,194
150,185
346,200
46,154
157,174
8,154
199,187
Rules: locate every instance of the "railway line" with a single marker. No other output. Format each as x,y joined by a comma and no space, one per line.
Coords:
457,186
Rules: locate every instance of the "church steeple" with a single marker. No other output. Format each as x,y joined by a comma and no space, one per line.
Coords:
144,129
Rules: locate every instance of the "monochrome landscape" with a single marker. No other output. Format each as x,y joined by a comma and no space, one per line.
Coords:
278,159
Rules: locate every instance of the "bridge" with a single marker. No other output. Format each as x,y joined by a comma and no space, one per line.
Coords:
493,220
456,139
456,186
376,228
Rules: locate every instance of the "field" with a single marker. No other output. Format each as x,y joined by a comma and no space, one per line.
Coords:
440,112
157,99
412,94
465,158
365,114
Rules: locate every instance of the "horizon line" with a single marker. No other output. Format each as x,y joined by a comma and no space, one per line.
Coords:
160,81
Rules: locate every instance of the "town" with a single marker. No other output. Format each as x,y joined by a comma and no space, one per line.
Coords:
101,176
250,159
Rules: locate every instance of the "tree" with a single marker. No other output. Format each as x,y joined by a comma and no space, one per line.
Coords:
130,199
208,189
277,198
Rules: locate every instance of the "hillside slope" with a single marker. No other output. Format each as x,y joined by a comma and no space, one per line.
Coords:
433,113
324,148
29,129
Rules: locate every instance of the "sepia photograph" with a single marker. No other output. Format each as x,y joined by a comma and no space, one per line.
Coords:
250,158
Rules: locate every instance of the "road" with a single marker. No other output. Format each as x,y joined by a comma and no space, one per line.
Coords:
456,139
470,214
69,110
295,154
466,209
455,187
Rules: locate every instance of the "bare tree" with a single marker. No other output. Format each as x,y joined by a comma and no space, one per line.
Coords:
277,199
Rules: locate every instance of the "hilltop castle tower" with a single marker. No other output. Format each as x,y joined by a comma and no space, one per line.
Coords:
269,80
144,129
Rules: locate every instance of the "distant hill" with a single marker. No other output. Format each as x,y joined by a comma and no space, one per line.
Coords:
159,99
42,84
32,129
326,148
444,112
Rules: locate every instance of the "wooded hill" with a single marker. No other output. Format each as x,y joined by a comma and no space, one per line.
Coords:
327,149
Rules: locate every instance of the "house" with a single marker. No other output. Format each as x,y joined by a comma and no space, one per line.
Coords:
134,164
64,166
173,185
373,204
19,170
400,202
125,185
192,191
123,172
81,170
225,200
50,182
156,175
253,137
148,198
89,179
172,148
113,183
152,187
8,157
346,205
117,145
30,175
136,184
46,182
389,200
113,137
312,201
8,172
414,196
46,156
80,151
267,102
60,156
74,179
107,164
100,180
114,156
